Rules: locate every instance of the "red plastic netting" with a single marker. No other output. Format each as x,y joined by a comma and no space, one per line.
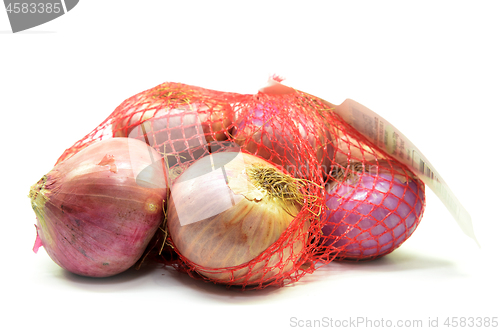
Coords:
332,194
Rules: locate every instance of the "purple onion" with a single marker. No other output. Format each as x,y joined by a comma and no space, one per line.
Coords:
97,210
372,212
278,131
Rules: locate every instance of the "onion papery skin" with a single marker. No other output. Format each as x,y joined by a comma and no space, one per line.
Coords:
282,132
250,243
98,210
373,211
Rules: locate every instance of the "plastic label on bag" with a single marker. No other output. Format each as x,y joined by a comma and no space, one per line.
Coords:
385,136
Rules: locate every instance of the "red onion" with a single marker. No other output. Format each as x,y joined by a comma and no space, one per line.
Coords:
230,216
353,150
372,211
97,210
179,129
279,135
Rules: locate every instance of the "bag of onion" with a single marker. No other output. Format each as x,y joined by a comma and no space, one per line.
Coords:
263,189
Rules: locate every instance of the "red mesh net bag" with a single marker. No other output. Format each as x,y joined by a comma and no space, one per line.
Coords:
264,188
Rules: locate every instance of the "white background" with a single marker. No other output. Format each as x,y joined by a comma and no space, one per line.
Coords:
430,68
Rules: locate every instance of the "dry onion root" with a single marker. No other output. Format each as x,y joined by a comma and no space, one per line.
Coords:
230,216
98,210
